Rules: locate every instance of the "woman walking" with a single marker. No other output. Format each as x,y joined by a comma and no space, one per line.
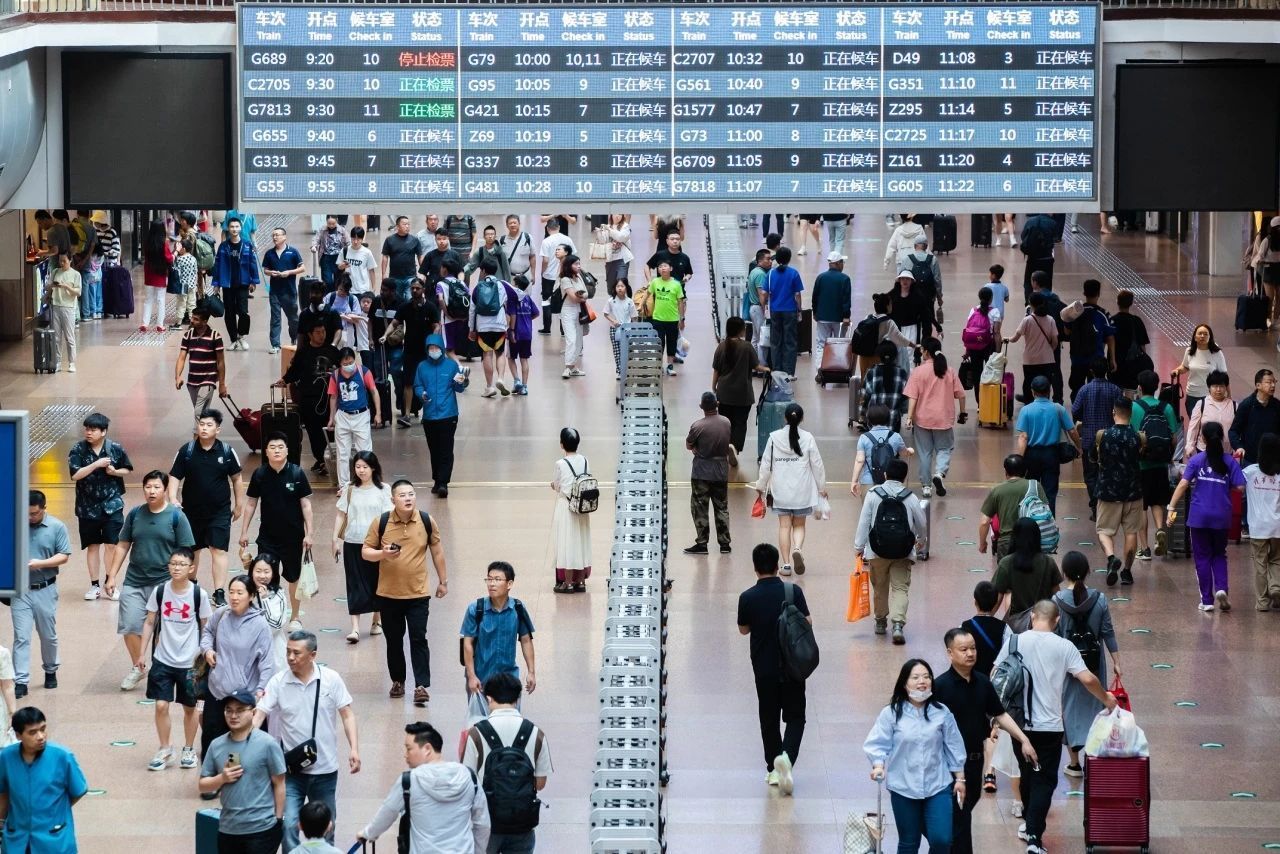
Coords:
620,309
1262,491
1218,406
1202,357
274,604
1026,575
932,392
365,499
1213,473
1086,621
1039,353
236,643
915,746
617,236
668,311
792,473
573,291
570,531
1264,261
157,258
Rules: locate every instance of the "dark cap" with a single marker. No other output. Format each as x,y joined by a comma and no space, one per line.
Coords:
245,698
709,401
1040,383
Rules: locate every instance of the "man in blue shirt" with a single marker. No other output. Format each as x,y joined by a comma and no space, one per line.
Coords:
1090,333
48,547
1091,409
39,784
784,288
283,264
1040,426
491,629
832,291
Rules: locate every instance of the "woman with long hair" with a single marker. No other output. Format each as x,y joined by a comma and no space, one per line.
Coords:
157,258
364,500
617,265
1084,614
933,390
979,336
791,471
570,531
273,602
574,291
1262,492
1201,358
1026,575
236,643
916,748
885,384
1214,473
1039,354
1263,259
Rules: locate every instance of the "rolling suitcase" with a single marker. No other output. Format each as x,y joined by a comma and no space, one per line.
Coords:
1252,311
837,361
922,551
768,418
117,292
281,415
855,401
992,405
383,385
45,346
373,222
804,331
980,230
1117,802
207,821
247,423
1008,394
944,233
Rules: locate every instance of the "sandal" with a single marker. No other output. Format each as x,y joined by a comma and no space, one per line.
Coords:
563,588
580,587
989,783
354,637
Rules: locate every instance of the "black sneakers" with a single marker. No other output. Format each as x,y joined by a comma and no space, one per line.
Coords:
696,549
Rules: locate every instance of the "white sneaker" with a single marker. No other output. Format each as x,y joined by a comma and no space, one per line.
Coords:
189,759
1016,809
800,251
295,625
162,760
577,372
1220,598
273,350
244,345
786,570
1022,832
568,372
92,593
489,391
128,683
1113,222
772,778
1204,607
115,595
1013,241
926,491
782,767
71,368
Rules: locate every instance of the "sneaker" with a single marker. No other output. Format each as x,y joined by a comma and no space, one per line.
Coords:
882,625
938,488
1075,229
725,548
1113,570
898,637
801,251
189,759
1034,847
489,391
323,471
50,681
502,389
94,592
522,389
786,570
1244,535
771,778
295,625
1013,241
797,560
696,549
421,696
782,767
375,629
273,350
71,368
129,682
577,372
404,421
1162,542
162,760
1022,832
219,598
1016,809
114,595
1143,554
1206,608
1126,576
1220,598
244,345
926,492
568,372
1073,771
671,370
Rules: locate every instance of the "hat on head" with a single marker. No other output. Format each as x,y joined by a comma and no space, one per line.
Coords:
709,401
1040,383
245,698
1275,222
100,218
835,256
905,274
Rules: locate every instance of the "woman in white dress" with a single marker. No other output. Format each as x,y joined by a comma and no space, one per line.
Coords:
274,604
359,505
570,532
791,470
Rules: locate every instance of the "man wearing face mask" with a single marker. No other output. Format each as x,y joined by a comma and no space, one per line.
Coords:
309,374
351,395
436,384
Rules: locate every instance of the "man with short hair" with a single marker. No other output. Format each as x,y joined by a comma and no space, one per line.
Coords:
488,249
506,727
832,292
308,375
461,229
40,782
681,266
246,769
1091,408
426,236
432,261
286,527
777,696
419,317
784,286
489,319
319,311
1002,503
1040,426
352,397
491,629
301,704
327,246
399,541
447,808
925,270
401,254
757,297
891,574
208,473
1154,475
235,275
357,261
202,352
56,237
517,248
710,440
1039,233
551,267
1048,661
98,468
283,264
1117,451
48,547
1090,335
152,532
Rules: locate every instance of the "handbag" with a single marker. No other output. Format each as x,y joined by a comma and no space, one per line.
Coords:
200,667
863,832
298,759
214,304
342,529
1067,451
586,314
174,283
308,581
859,592
1121,695
600,245
590,281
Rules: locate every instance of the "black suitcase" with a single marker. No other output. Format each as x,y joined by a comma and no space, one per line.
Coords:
980,230
804,332
45,346
283,416
944,233
1252,311
117,292
373,222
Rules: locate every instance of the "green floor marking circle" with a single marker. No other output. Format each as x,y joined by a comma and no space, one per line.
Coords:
1070,518
1162,667
329,630
1271,846
340,598
1186,704
977,569
956,518
123,743
1085,543
1119,598
1139,631
146,702
1212,745
96,792
1244,796
1074,793
966,543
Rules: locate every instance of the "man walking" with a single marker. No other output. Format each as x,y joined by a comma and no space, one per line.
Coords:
1003,502
327,246
205,481
710,440
283,265
39,784
784,289
892,526
303,704
352,395
1159,422
1038,236
491,629
401,254
1090,335
1091,409
285,493
832,292
202,353
48,547
1048,660
98,468
235,275
777,696
152,532
1040,426
399,540
1117,451
246,769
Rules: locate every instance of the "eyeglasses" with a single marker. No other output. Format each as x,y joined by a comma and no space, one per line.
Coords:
180,563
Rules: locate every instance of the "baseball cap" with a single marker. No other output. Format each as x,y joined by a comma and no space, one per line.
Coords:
709,400
1040,383
836,256
921,241
245,698
1275,222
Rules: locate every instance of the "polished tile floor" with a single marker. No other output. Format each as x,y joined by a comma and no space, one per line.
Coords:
1221,799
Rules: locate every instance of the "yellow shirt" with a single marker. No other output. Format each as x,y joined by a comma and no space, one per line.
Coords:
64,288
405,576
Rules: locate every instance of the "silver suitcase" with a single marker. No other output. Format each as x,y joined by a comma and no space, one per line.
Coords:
922,551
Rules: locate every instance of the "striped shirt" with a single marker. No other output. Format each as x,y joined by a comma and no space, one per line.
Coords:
108,246
202,355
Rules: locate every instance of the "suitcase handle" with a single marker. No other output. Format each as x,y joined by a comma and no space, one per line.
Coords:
234,407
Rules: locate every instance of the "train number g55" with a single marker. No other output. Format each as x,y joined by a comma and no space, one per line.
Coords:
270,186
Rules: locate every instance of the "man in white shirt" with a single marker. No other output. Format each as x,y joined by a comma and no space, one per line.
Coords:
518,247
506,727
427,236
551,268
358,262
1048,660
488,324
303,703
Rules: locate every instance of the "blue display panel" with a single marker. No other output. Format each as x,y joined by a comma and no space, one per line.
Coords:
13,503
695,102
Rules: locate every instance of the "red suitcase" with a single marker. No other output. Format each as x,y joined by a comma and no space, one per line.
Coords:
1117,802
248,424
1237,516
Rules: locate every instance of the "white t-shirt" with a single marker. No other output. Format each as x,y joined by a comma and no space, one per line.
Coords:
1262,493
506,723
178,626
359,263
367,504
1050,661
519,252
622,310
292,702
550,263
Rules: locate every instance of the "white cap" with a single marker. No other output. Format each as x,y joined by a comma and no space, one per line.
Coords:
836,256
1275,222
905,274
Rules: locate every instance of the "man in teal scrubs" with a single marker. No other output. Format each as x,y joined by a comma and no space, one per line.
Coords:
39,784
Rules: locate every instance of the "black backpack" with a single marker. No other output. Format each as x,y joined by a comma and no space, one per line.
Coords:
458,299
1155,425
1084,335
891,534
796,640
509,785
1038,240
922,270
866,335
878,460
1084,640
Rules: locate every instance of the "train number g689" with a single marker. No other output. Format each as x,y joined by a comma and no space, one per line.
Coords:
269,58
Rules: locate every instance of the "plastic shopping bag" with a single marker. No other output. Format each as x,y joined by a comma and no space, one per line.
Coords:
757,509
308,581
822,510
1117,734
859,592
993,370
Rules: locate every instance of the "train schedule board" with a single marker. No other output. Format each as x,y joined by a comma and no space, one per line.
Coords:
949,105
13,502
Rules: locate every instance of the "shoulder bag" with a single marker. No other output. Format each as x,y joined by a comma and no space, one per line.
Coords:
200,667
298,759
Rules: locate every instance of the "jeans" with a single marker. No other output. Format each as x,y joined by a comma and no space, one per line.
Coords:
778,698
402,287
263,842
511,843
284,298
236,301
934,448
328,272
782,341
36,609
1090,475
91,294
1038,786
962,817
439,433
928,817
738,417
302,788
397,616
1209,548
1043,465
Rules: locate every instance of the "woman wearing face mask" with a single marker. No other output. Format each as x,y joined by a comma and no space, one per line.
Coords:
273,603
236,643
916,747
354,408
436,384
365,499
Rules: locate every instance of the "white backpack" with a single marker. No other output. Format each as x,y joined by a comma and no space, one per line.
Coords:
584,495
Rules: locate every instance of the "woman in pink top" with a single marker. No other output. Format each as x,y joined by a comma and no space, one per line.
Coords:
1217,407
1039,358
932,391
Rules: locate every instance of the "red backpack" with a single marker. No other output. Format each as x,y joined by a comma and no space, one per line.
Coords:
977,331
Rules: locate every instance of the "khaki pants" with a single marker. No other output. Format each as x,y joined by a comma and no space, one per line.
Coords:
64,331
890,584
1266,571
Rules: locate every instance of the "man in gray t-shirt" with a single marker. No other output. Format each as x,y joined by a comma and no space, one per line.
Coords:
246,768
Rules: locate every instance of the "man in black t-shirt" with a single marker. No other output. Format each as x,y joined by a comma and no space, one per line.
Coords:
429,269
207,471
681,266
419,317
401,254
309,375
384,358
284,492
778,697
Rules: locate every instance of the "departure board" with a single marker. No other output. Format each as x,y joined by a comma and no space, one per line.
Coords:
623,103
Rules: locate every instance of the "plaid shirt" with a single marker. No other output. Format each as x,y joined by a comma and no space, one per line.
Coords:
1092,408
885,385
